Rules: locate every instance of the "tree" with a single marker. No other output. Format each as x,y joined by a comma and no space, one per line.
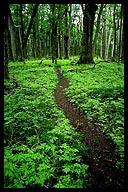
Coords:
12,35
29,27
66,34
54,34
120,52
102,6
6,70
88,22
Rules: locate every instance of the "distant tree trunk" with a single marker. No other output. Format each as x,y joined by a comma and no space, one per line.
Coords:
60,44
10,54
69,28
120,35
97,28
115,37
109,41
101,48
104,39
17,33
29,27
88,22
21,32
122,45
6,70
54,36
66,35
34,41
37,29
12,35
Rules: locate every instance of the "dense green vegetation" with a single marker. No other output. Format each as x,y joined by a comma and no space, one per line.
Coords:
41,148
100,94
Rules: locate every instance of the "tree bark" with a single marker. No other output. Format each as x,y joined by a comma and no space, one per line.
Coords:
12,34
6,70
60,44
21,32
66,35
29,27
122,45
97,28
120,35
88,22
54,35
104,39
69,28
115,37
108,44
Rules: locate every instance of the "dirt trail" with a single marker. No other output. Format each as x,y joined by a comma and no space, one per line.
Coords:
101,150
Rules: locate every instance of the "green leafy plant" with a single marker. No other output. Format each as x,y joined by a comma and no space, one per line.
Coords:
99,93
40,145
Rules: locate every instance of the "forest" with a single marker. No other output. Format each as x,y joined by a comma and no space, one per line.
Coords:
64,96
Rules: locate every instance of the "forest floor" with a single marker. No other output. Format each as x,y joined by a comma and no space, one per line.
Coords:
102,156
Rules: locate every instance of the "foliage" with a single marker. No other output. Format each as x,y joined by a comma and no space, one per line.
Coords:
41,149
99,92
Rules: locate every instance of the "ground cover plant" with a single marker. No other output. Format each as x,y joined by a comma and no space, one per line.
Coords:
41,148
99,93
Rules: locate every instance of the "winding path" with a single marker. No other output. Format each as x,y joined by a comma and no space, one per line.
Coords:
102,156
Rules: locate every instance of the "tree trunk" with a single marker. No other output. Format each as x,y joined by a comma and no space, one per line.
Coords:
34,41
29,27
6,70
69,28
21,32
66,35
12,35
120,34
60,44
97,28
122,45
88,22
115,37
109,41
54,36
101,48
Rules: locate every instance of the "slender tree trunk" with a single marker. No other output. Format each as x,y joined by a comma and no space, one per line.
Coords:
6,70
88,22
21,32
122,45
109,41
69,28
34,41
97,28
54,36
10,54
60,44
29,27
115,37
66,35
100,44
120,34
104,40
12,35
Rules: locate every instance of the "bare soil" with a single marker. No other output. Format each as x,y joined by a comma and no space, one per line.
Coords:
102,156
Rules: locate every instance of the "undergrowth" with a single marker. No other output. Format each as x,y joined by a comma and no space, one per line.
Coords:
99,93
41,149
